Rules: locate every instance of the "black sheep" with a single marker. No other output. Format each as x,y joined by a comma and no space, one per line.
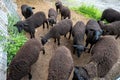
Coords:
61,28
65,12
110,15
111,28
93,32
26,10
27,55
78,33
32,22
52,16
58,4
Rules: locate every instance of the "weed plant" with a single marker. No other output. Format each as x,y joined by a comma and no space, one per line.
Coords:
89,11
15,39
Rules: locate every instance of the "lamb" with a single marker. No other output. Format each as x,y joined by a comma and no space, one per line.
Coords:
65,12
27,55
110,15
111,28
61,64
78,33
61,28
32,22
93,33
58,3
52,16
26,10
105,54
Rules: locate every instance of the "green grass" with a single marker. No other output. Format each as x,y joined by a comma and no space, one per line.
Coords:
70,0
15,39
89,11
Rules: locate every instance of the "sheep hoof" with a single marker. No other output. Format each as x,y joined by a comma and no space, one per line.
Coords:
30,76
43,52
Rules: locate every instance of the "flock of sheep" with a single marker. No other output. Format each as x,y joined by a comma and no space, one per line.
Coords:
104,53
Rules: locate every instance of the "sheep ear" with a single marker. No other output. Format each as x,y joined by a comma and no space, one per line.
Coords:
75,46
25,24
92,30
41,36
86,48
33,7
48,19
15,25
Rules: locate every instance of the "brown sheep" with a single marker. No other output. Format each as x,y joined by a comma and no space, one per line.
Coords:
65,12
78,33
105,54
52,16
61,28
26,10
32,22
93,33
58,4
110,15
61,64
111,28
27,55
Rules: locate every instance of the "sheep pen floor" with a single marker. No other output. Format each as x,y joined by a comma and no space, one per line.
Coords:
40,68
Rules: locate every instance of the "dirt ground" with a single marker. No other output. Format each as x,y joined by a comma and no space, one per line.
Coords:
40,68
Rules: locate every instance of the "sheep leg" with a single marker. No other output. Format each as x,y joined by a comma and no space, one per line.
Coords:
57,9
43,51
73,50
58,39
43,25
47,24
61,17
102,18
69,17
70,32
32,35
64,17
86,45
29,76
90,48
65,35
55,40
116,36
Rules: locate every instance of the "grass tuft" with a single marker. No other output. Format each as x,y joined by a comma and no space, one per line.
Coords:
88,11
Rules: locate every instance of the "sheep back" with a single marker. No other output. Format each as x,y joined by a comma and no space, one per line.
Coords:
52,12
78,32
92,24
110,28
61,28
61,64
25,57
64,26
36,20
105,53
65,12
